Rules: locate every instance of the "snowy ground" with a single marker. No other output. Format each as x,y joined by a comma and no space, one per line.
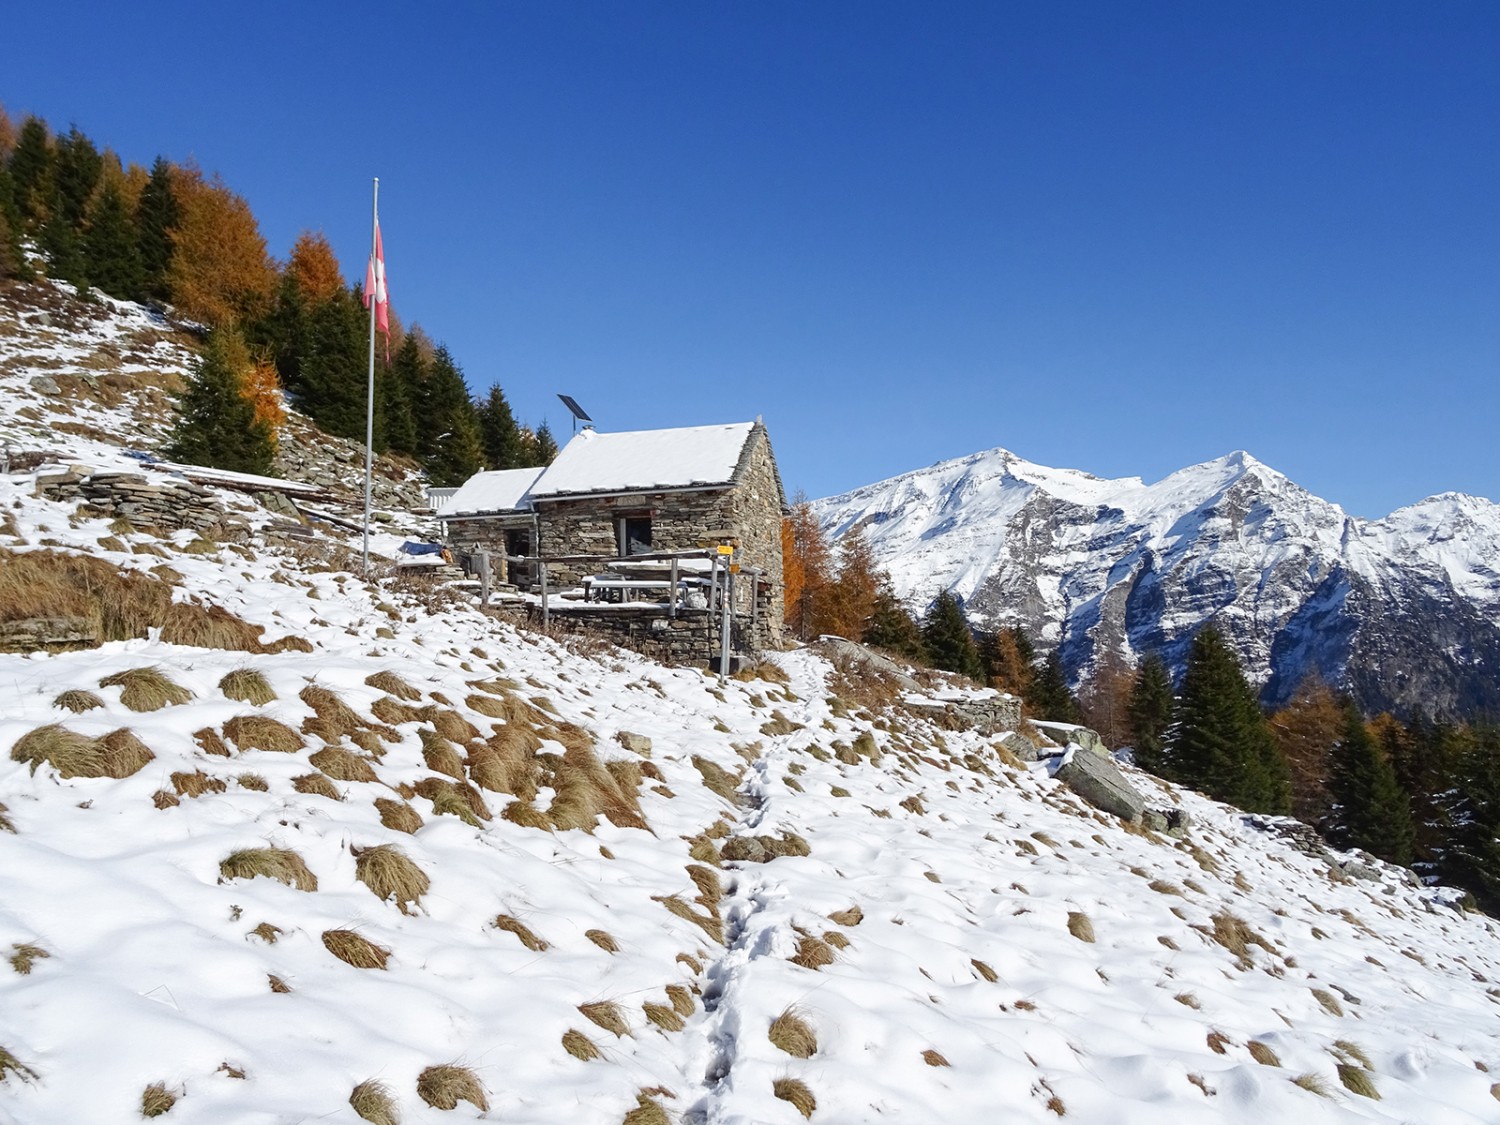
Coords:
971,943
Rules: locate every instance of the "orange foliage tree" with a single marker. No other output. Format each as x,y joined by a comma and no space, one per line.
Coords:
1305,731
221,272
1105,699
851,595
807,570
262,390
314,268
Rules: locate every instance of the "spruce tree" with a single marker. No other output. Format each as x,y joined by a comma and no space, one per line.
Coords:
111,250
1370,808
1220,743
1150,712
546,446
893,628
404,382
77,169
504,447
1471,855
1049,698
948,640
216,425
451,449
157,215
331,372
31,170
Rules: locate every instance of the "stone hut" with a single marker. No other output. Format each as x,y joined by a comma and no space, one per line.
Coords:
611,496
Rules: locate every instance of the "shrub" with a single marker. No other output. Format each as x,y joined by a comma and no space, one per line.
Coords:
390,874
246,685
260,732
77,701
795,1091
392,684
156,1100
354,949
342,765
372,1101
398,815
791,1033
443,1087
522,931
118,754
281,864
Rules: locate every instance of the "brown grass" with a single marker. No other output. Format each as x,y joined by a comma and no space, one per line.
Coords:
1313,1084
196,784
451,725
118,754
268,933
260,732
24,955
391,874
851,917
281,864
1080,926
277,984
156,1100
246,685
454,798
1235,935
440,756
933,1058
77,701
606,1014
342,765
791,1033
392,684
1263,1054
602,939
9,1065
1328,1001
394,712
398,815
579,1045
1218,1042
984,970
812,953
252,781
332,718
795,1091
373,1101
165,799
316,785
523,932
717,779
682,999
209,742
354,949
1358,1080
663,1016
6,824
443,1087
586,790
711,924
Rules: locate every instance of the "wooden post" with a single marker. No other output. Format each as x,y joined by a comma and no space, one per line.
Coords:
672,594
541,567
484,579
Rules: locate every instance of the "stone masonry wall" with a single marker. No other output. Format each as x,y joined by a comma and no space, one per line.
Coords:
164,504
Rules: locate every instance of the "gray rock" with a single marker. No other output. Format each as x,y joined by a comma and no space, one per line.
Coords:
45,385
851,656
635,743
1022,747
744,849
1099,782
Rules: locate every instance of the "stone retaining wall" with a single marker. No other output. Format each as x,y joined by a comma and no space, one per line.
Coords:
165,504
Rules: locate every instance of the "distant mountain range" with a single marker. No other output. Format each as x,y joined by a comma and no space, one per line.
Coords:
1402,612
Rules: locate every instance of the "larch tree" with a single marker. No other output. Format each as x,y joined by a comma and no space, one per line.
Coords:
807,561
221,272
851,598
1305,731
1008,657
1104,700
314,269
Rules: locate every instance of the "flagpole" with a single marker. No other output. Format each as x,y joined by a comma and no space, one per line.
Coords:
370,299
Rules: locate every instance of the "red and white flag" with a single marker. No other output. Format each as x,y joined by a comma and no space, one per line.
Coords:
375,288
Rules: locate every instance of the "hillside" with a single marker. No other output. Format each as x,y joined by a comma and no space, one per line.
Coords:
358,831
1402,612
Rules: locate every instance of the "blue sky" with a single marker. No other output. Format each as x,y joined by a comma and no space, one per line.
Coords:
1116,237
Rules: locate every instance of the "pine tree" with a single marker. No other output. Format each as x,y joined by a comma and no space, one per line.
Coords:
1049,698
451,451
546,446
216,425
111,250
1370,809
503,444
1150,712
156,216
946,636
1220,743
31,170
1471,856
892,627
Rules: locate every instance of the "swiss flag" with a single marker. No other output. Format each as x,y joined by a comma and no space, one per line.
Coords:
375,286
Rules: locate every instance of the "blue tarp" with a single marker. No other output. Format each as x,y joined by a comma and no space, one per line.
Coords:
410,548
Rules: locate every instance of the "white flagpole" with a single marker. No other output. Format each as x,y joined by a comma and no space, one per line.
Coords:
370,386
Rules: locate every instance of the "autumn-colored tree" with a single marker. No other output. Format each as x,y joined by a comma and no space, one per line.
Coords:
851,597
262,389
807,563
314,269
221,272
1105,699
8,135
1008,657
216,425
1305,731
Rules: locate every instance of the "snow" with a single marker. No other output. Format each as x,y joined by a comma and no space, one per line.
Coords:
499,490
959,994
644,460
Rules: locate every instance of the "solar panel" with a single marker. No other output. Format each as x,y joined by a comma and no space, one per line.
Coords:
577,410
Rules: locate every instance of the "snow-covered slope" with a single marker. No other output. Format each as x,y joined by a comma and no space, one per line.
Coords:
1401,610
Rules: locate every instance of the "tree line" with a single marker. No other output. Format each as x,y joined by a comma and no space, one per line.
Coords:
1410,791
173,236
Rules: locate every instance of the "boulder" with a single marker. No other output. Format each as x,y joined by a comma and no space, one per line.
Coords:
744,849
635,743
1099,782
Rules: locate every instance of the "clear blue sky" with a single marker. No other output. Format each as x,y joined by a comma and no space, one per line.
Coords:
1122,237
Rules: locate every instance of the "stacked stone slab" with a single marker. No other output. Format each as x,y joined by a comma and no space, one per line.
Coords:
165,504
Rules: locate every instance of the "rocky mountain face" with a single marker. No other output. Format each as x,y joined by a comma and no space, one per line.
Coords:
1403,612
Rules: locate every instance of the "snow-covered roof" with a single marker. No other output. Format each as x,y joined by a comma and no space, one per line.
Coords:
500,490
645,460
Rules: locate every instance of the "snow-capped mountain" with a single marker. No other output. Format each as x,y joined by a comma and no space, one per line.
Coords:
1401,611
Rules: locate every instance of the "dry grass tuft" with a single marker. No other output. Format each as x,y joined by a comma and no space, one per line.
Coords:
260,732
602,939
933,1058
522,931
277,984
118,754
1218,1042
711,924
23,955
1235,935
146,689
647,1111
392,684
812,953
1328,1001
268,933
851,917
398,815
1189,1000
579,1045
586,789
1358,1080
9,1065
77,701
1313,1084
662,1016
717,779
196,784
439,755
682,999
454,798
354,949
394,712
165,799
6,824
156,1100
791,1033
246,685
252,781
984,970
332,718
1162,887
316,785
443,1087
391,874
343,765
451,725
373,1101
1080,926
606,1014
1263,1054
209,742
527,815
795,1091
281,864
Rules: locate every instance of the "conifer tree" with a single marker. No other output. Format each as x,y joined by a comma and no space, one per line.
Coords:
504,447
76,171
314,269
220,272
156,215
1305,731
1370,809
1049,699
1471,855
451,449
546,446
217,425
1220,743
403,384
331,366
1104,700
31,170
1008,657
948,640
892,627
111,250
851,598
12,258
1150,712
808,569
